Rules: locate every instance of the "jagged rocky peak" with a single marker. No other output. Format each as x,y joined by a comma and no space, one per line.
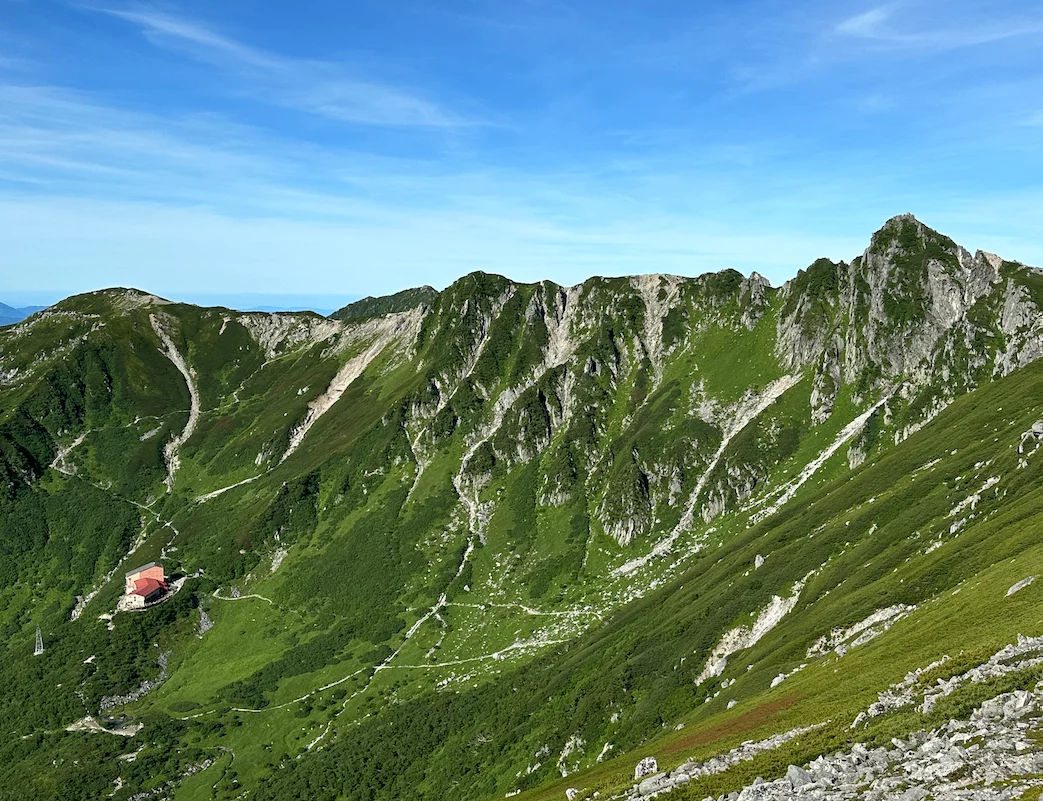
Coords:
901,311
754,294
911,286
755,285
903,229
810,312
898,224
910,247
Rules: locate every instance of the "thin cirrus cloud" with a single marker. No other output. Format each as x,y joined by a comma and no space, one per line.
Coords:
869,23
622,165
205,202
879,26
317,87
60,137
193,198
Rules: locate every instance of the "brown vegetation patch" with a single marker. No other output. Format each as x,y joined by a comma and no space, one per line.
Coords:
745,722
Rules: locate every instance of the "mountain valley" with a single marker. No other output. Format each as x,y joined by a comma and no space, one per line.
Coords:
510,540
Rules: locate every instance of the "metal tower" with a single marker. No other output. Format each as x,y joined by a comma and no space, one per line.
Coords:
39,642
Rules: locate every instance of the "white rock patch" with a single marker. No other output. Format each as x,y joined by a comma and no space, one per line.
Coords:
748,411
971,501
385,330
745,636
574,745
1021,585
790,489
170,451
841,640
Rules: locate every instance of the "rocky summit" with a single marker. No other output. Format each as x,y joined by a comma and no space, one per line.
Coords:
691,538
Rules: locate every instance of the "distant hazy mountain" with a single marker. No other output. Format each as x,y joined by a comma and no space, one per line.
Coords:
317,302
277,309
9,315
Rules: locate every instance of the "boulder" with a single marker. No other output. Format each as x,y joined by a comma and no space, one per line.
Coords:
1018,704
798,777
646,767
653,784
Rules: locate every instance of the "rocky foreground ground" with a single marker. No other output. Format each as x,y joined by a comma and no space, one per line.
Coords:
997,753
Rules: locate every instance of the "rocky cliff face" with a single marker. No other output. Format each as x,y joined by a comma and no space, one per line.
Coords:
622,391
899,310
584,371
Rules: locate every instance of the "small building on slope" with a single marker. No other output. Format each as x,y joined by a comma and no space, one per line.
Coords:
145,584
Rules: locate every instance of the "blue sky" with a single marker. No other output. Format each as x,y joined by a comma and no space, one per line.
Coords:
206,150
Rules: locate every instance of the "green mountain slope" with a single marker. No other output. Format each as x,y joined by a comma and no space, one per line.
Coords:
464,544
399,302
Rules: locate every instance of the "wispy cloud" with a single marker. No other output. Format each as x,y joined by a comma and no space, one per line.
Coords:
879,26
660,165
55,135
318,87
868,23
208,202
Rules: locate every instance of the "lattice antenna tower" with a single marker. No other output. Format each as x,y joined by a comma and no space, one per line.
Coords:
39,642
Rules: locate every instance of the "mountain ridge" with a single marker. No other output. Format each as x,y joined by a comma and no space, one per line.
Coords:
9,315
495,486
